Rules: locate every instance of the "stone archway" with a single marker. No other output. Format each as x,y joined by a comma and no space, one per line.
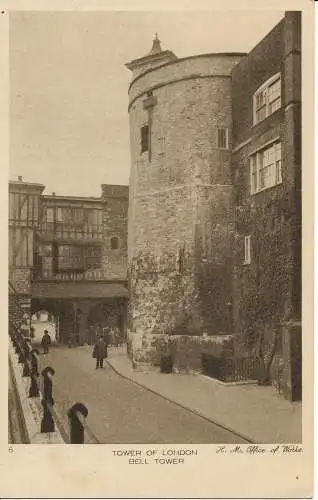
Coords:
40,321
63,313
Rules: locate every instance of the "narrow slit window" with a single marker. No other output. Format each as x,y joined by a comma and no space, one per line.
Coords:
144,138
247,250
181,260
223,138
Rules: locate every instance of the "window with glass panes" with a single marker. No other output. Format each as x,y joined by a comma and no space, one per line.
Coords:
274,97
253,168
266,168
46,259
49,215
260,106
70,257
70,215
267,99
93,256
223,138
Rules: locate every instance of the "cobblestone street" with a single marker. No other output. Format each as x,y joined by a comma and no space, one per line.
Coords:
121,411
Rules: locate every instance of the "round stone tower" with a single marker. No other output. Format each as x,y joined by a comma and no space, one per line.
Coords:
180,217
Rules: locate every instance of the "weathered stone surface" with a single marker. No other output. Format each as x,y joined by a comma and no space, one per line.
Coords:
114,260
179,220
190,203
186,350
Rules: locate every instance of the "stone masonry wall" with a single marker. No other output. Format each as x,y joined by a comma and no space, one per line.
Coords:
188,67
114,261
267,292
180,202
186,350
160,284
183,136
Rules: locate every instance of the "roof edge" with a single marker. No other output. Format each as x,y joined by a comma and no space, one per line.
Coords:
150,57
180,59
23,183
73,198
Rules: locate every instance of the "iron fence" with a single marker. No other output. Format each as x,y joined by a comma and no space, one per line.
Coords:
77,414
231,369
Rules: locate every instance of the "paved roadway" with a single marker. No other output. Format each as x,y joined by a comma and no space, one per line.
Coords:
121,411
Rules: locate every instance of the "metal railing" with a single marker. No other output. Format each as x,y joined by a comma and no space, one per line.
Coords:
117,272
62,230
77,414
47,274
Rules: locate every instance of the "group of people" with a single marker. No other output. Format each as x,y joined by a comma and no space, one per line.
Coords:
99,351
111,335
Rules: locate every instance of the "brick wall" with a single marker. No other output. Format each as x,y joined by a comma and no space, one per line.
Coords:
264,61
267,291
19,307
114,260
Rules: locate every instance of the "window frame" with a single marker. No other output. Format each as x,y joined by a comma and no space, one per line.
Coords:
258,167
144,135
264,90
68,256
112,239
49,218
227,145
247,250
93,257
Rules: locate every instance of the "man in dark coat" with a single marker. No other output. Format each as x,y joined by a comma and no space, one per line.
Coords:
100,352
45,342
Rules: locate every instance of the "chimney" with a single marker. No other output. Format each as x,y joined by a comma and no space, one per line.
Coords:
53,194
20,178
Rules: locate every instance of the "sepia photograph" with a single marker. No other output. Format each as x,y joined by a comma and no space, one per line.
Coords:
157,210
155,229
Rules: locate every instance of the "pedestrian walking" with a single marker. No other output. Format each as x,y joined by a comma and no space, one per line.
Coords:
100,352
117,336
107,335
46,342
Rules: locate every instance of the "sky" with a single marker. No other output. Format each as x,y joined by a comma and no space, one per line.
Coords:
69,127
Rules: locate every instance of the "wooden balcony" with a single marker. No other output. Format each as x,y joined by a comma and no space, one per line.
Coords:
112,273
69,233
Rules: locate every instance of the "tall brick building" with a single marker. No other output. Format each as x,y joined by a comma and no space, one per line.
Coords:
266,177
214,229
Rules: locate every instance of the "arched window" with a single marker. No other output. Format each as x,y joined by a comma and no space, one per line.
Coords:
114,243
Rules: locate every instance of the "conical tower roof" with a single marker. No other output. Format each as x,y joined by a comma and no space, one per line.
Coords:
156,45
155,57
